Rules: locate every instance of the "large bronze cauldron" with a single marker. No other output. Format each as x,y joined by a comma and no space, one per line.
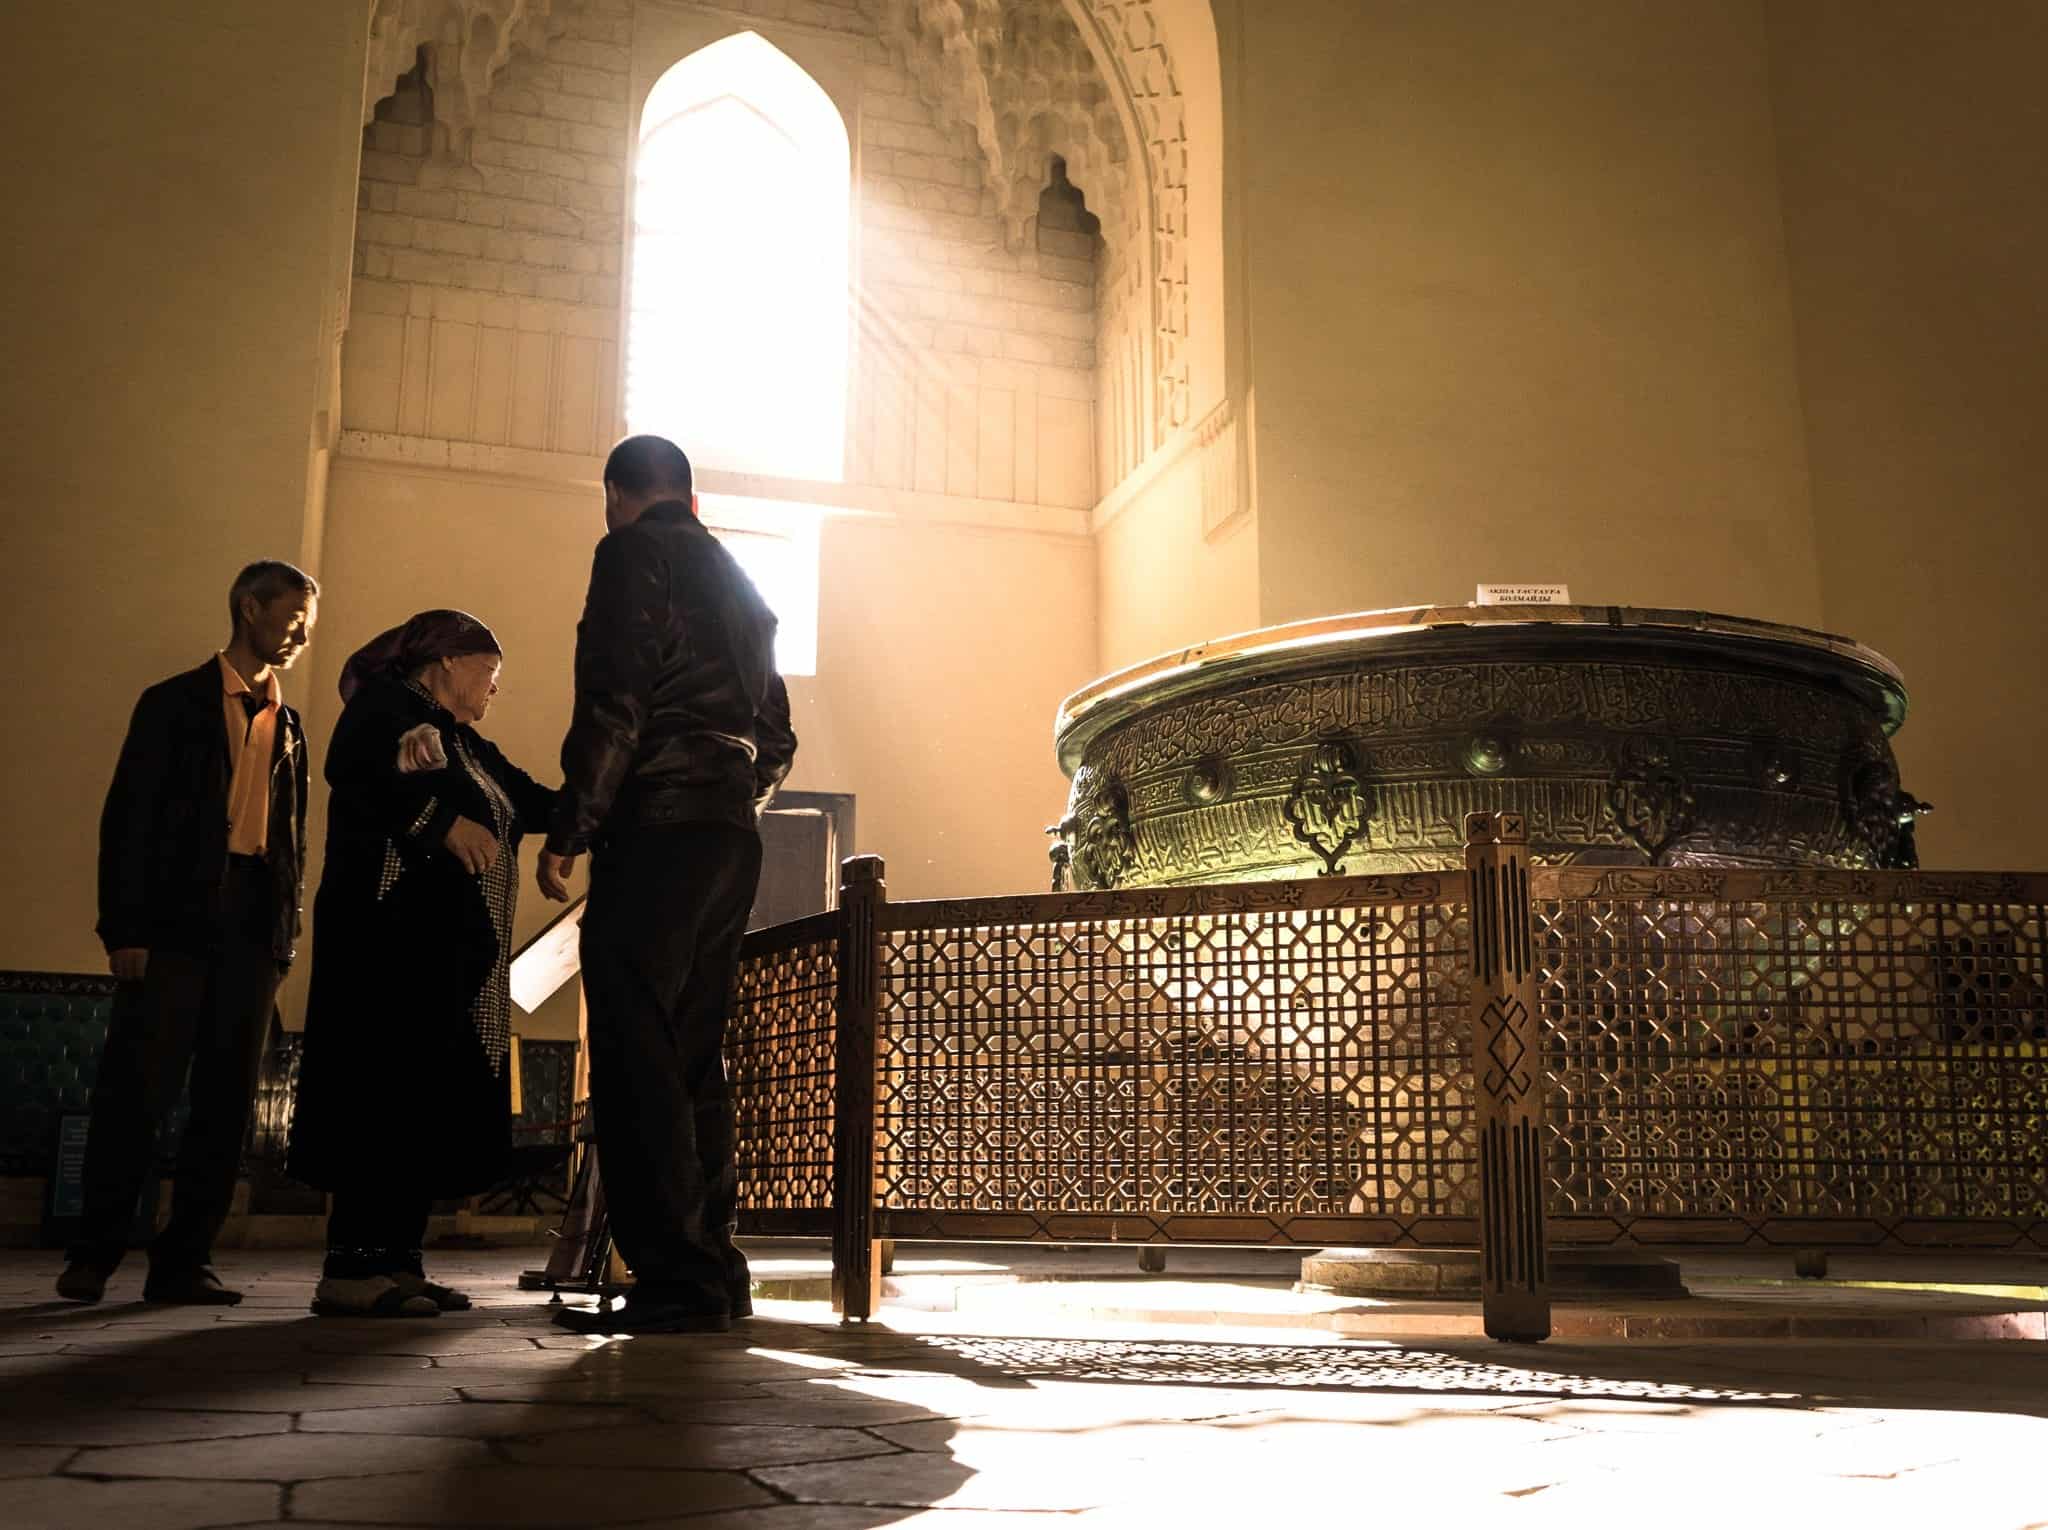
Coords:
1359,743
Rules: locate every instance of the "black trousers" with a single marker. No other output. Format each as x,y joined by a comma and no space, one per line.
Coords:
209,1014
661,938
376,1232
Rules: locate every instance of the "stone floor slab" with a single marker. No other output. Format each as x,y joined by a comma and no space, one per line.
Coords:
954,1419
816,1408
287,1398
929,1479
73,1503
582,1392
832,1516
473,1420
132,1426
700,1445
283,1457
524,1495
419,1339
33,1460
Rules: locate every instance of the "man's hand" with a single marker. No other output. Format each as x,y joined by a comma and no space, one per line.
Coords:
473,845
128,964
553,875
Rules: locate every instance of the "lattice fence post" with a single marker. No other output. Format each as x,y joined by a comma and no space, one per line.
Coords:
1507,1075
856,1248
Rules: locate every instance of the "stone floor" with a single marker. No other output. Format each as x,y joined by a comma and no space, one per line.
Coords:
1013,1415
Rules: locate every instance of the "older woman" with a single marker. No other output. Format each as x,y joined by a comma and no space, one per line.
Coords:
402,1090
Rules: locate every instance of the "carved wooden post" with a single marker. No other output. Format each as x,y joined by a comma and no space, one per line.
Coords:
856,1248
1507,1076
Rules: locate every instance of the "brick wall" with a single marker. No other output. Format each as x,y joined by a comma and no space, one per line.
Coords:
486,298
976,368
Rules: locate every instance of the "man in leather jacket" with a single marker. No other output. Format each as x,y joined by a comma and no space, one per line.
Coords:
680,735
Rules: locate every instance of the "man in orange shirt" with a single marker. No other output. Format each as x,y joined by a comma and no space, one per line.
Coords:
202,864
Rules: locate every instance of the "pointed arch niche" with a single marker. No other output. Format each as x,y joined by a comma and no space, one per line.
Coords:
736,332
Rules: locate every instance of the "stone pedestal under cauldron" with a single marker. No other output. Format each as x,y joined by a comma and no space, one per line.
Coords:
1624,736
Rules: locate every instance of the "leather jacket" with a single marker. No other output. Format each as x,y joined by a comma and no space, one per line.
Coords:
680,715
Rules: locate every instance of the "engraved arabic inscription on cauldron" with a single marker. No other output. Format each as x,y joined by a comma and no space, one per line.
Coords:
1696,752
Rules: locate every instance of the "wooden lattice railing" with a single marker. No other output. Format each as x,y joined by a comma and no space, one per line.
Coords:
1499,1059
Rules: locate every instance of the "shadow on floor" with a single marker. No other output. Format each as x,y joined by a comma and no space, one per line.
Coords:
125,1413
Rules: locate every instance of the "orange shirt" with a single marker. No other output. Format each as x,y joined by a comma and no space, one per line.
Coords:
252,741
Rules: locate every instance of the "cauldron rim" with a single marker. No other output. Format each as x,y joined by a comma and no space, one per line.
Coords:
1410,632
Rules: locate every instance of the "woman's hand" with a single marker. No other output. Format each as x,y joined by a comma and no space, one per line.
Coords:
420,749
473,845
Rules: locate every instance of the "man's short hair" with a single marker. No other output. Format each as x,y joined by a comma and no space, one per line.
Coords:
642,465
266,581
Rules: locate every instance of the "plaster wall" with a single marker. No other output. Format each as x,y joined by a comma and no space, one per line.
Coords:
1519,306
1914,154
1164,583
173,276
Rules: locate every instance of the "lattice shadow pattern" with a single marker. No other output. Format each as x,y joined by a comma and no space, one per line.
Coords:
1197,1075
1797,1068
1322,1367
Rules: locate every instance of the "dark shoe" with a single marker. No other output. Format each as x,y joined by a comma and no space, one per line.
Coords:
644,1317
739,1279
444,1298
82,1282
198,1287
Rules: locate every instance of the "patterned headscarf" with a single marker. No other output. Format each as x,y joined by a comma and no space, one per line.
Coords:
426,637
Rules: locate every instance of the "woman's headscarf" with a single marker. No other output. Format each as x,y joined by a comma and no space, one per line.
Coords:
416,643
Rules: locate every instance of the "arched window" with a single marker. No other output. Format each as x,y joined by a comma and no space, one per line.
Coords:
736,345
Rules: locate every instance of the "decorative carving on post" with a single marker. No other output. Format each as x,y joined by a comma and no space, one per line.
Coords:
856,1229
1507,1077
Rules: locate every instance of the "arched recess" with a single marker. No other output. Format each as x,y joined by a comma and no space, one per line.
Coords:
736,298
1160,62
1165,60
1162,54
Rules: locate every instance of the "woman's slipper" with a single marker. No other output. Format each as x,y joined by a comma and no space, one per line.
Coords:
444,1298
373,1296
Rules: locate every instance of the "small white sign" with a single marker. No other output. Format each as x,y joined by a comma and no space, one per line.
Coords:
1524,595
549,960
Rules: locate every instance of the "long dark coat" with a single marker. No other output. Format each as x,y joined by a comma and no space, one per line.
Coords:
396,1091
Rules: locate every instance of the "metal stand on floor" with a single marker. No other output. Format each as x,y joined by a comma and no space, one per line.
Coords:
583,1261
